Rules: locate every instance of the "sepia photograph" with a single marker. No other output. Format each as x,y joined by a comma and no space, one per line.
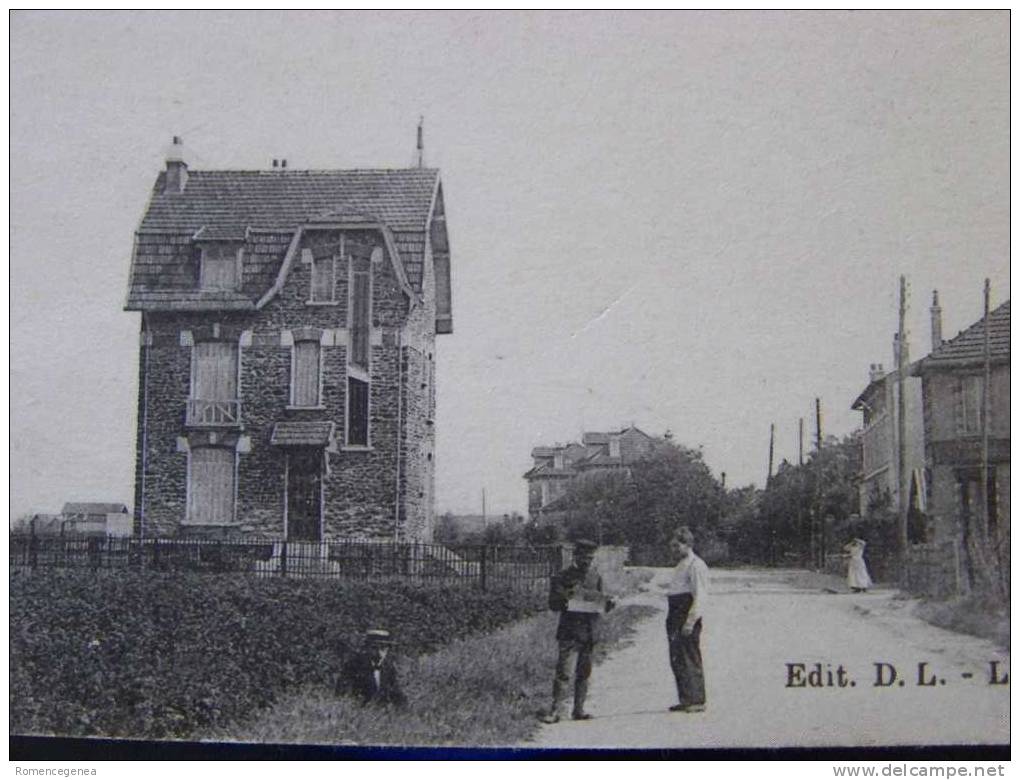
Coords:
525,383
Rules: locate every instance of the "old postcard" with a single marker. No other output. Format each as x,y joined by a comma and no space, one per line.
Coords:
510,380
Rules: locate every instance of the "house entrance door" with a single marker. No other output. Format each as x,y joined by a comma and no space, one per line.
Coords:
304,495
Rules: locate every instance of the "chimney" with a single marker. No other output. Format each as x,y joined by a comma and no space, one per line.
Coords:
176,168
936,321
875,372
421,142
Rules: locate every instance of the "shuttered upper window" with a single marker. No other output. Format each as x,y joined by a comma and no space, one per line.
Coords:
969,390
214,371
219,268
305,384
211,486
323,280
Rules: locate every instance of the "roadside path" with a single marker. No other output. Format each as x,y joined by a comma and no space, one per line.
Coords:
757,623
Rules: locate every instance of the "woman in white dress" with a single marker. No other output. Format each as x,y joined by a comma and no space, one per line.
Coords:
857,576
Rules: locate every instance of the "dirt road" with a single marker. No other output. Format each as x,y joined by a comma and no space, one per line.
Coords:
757,623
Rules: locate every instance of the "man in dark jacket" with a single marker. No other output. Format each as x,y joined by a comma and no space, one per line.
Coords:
370,675
576,593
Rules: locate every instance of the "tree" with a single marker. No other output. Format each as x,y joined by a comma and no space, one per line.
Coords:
643,505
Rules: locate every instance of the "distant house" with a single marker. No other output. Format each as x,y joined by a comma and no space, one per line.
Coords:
40,523
556,467
95,519
287,351
879,480
953,381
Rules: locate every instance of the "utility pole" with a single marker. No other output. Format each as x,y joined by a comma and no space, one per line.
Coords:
817,521
985,399
901,421
818,424
484,522
800,442
772,449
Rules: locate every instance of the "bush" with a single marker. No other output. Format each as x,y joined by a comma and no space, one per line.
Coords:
157,656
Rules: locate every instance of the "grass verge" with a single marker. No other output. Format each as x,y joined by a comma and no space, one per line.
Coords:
483,690
970,615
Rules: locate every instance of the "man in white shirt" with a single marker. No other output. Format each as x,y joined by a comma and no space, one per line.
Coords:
687,592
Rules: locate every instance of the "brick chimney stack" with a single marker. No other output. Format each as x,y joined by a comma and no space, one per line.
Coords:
176,168
936,321
876,372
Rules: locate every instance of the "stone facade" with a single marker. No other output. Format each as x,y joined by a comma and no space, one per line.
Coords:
383,490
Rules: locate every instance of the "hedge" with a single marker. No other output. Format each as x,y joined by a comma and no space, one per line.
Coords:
127,654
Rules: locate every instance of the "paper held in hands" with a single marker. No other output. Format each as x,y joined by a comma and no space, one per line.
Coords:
587,601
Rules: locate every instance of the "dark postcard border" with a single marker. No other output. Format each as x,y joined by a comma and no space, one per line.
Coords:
65,749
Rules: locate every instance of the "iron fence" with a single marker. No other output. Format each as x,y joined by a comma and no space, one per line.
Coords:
357,559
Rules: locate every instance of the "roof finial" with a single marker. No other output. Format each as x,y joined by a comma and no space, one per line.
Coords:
421,142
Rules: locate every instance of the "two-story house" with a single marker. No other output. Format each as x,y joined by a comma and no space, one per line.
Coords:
555,467
879,481
953,381
287,351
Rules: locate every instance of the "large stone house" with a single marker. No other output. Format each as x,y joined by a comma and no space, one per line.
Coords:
555,467
287,354
953,381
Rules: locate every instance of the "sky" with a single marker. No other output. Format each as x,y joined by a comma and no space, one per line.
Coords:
692,221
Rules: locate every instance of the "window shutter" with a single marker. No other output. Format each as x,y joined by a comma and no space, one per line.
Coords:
322,279
211,490
306,373
219,268
215,371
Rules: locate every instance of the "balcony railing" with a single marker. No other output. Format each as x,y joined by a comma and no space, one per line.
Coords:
211,414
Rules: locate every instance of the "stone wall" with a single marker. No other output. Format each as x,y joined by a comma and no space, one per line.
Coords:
360,487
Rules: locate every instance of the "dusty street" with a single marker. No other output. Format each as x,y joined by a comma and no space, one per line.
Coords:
757,623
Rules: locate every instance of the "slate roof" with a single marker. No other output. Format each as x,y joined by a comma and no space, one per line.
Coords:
602,459
92,508
969,346
302,434
233,200
262,209
550,471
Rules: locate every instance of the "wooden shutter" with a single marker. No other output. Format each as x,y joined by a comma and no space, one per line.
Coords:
306,373
322,279
357,412
219,268
215,371
360,319
211,486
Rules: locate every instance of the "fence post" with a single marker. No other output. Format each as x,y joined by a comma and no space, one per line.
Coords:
33,547
283,558
481,567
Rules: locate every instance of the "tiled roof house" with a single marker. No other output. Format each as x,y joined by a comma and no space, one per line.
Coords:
953,382
286,364
557,466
